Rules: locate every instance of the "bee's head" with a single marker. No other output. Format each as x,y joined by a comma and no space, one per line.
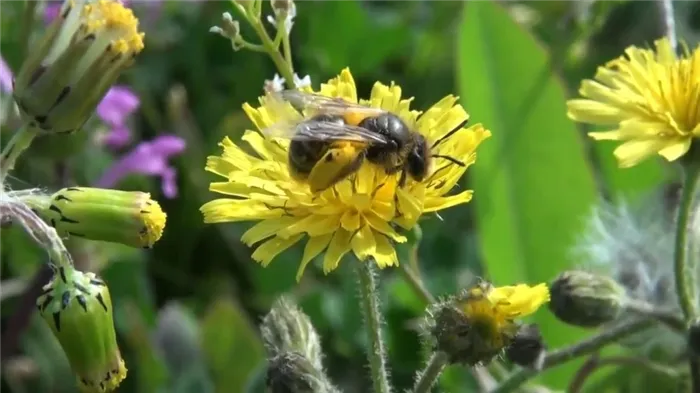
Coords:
418,160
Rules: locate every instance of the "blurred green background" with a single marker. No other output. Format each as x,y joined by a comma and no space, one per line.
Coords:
187,310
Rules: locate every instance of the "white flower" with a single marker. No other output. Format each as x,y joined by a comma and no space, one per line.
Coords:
303,82
288,20
277,83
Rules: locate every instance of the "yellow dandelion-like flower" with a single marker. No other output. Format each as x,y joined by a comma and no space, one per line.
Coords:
651,95
479,323
358,214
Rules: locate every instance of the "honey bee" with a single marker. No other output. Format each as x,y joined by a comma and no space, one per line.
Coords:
334,137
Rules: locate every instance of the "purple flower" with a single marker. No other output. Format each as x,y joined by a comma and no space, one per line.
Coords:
5,76
114,109
148,158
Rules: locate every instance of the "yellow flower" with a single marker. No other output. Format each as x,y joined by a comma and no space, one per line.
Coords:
359,213
479,323
653,98
494,310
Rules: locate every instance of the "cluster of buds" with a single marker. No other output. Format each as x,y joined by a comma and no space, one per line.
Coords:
480,323
294,351
57,89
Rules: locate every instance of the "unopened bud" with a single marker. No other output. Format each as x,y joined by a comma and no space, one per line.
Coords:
81,55
229,28
527,348
287,329
291,372
281,7
585,299
78,309
129,218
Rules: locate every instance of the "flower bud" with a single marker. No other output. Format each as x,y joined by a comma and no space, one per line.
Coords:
291,372
585,299
80,56
476,325
229,28
78,309
126,217
527,348
287,329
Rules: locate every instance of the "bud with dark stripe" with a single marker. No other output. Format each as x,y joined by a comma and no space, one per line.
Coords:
130,218
80,56
78,309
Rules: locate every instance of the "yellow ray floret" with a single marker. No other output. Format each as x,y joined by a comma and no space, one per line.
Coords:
651,96
359,214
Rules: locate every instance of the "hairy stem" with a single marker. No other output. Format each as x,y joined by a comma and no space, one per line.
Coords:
416,283
683,271
668,318
15,147
371,313
428,376
585,347
595,363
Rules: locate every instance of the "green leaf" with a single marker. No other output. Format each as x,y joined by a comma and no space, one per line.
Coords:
231,346
533,185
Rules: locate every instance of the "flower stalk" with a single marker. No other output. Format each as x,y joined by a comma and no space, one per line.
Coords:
370,311
583,348
683,271
20,142
428,376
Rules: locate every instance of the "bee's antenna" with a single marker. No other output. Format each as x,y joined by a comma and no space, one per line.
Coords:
450,159
449,134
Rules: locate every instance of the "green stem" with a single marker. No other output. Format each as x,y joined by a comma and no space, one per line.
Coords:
682,269
431,373
416,283
15,147
287,48
27,25
668,318
586,347
371,313
595,363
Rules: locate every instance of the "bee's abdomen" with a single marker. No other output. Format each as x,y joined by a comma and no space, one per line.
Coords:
303,155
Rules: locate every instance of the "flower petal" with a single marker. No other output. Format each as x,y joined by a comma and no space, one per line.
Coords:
313,248
385,254
363,244
265,229
338,247
267,251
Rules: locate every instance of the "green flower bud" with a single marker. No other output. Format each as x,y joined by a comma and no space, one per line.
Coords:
527,348
126,217
287,329
78,309
80,56
291,372
585,299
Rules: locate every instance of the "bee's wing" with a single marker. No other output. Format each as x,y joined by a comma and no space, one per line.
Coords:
313,130
318,103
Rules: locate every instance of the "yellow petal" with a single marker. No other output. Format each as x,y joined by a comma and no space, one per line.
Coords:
363,244
385,254
382,226
267,251
265,229
342,86
313,248
589,111
519,300
338,247
350,221
314,225
675,149
232,210
633,152
266,149
439,203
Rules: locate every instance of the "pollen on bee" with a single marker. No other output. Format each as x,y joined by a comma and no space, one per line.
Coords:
353,118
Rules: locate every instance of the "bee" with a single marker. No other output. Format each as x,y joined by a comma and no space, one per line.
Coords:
334,137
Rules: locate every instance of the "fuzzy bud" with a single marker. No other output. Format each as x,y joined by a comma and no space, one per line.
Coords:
585,299
78,309
129,218
527,348
80,56
287,329
291,372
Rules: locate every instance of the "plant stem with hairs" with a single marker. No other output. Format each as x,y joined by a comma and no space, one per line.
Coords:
370,311
428,376
585,347
682,265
